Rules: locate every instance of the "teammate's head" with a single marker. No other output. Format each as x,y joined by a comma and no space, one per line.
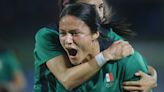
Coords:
101,7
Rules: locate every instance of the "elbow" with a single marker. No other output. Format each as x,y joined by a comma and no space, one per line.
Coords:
67,85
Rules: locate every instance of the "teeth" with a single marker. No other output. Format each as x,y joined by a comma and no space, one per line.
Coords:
72,52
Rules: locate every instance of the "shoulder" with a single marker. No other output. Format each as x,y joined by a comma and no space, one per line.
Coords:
46,35
134,60
114,35
134,63
46,32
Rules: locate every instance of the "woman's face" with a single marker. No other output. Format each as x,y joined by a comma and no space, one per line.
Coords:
76,39
99,6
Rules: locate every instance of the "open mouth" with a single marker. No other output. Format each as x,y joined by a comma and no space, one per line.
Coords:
72,52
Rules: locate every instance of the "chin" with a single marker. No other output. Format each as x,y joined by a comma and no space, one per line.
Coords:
75,63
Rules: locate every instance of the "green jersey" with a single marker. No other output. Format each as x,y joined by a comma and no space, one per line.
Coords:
47,46
112,75
108,79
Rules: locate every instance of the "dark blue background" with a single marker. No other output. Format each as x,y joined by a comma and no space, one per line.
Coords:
20,20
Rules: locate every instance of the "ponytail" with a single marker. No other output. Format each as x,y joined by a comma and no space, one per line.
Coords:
121,27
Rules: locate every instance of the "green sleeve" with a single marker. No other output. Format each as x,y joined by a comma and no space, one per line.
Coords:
134,63
113,35
47,45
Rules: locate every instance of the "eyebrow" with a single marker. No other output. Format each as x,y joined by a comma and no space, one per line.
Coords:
61,30
69,30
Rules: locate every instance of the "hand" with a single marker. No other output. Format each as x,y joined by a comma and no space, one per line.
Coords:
153,73
118,50
145,84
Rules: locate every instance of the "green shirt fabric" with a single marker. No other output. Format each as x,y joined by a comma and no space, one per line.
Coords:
120,71
8,66
47,46
113,35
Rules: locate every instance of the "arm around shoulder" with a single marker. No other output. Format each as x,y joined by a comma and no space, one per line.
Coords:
71,77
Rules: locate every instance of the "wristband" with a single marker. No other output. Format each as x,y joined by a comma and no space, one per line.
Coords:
100,59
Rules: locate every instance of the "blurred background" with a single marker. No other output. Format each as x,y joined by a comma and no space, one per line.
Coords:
21,19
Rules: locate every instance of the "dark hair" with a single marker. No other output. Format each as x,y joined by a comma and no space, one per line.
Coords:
85,12
60,5
63,3
121,27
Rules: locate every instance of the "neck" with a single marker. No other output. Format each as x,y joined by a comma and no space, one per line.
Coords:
96,48
94,51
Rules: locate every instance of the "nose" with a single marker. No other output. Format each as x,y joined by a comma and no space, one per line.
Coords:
68,39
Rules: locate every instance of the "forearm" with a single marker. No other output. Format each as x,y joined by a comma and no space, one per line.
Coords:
153,74
152,71
79,74
72,77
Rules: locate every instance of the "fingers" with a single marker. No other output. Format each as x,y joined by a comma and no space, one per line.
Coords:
127,49
118,50
144,84
152,72
131,88
121,42
146,79
117,42
140,73
131,83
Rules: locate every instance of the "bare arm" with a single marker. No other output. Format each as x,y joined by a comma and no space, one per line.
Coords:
153,75
145,84
72,77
